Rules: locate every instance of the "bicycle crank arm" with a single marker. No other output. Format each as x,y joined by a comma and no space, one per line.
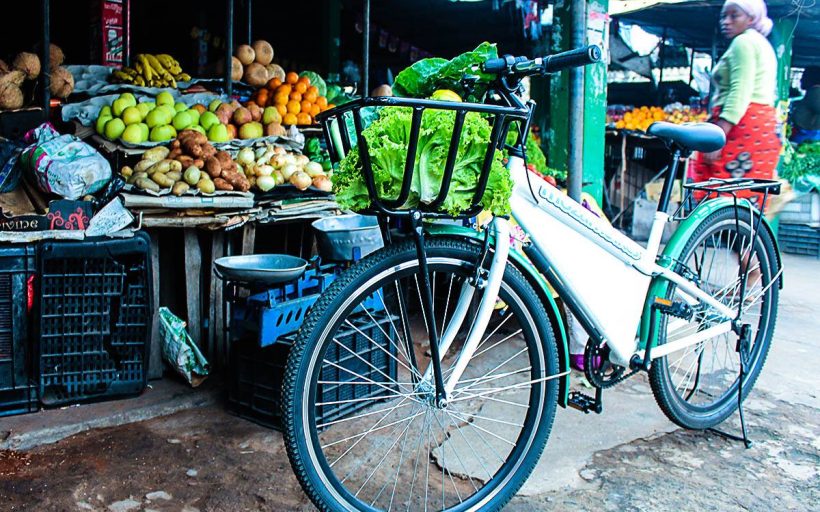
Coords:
487,304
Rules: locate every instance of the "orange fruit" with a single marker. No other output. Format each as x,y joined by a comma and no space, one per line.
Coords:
304,80
282,109
303,118
281,98
296,96
306,105
310,96
313,88
322,102
289,119
300,87
314,110
294,107
273,83
291,78
284,88
262,97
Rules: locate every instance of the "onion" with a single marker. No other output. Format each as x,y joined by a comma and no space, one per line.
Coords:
289,170
277,175
265,183
323,183
279,161
314,169
302,160
300,180
245,156
263,170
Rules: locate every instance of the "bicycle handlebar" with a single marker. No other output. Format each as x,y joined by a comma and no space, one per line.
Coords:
549,64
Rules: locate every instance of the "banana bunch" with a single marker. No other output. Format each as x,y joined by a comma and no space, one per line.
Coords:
152,71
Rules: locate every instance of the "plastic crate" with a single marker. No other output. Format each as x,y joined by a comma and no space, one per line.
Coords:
803,210
94,319
799,239
18,392
256,373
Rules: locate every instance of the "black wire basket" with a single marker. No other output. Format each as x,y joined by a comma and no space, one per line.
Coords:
336,122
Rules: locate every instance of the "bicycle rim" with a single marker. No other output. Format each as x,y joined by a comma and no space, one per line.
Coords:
392,448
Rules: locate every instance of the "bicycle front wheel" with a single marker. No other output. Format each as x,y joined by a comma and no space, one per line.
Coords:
697,387
361,429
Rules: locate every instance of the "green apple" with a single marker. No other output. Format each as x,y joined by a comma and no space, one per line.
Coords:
101,123
271,115
218,133
213,105
145,131
119,106
208,119
158,117
194,113
199,129
162,133
182,120
151,104
105,111
165,98
144,108
133,134
179,106
169,109
131,115
129,98
252,130
114,128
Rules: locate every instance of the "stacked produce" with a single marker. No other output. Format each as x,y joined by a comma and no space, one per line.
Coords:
253,64
269,166
148,70
250,121
801,161
297,99
27,66
640,118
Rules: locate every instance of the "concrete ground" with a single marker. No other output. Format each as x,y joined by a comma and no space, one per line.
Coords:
629,458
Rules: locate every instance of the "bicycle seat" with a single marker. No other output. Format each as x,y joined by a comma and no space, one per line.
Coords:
705,137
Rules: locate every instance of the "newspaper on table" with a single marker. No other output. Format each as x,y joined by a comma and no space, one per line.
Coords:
179,350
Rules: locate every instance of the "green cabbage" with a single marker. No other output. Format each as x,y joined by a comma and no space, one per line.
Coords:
388,138
317,80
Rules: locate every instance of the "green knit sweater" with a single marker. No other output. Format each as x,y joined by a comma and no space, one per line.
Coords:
746,73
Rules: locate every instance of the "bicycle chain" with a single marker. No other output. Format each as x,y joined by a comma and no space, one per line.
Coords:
596,373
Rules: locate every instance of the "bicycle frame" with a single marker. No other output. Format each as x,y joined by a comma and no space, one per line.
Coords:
602,275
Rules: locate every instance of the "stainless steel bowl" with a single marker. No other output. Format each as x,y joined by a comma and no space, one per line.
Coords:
338,238
264,269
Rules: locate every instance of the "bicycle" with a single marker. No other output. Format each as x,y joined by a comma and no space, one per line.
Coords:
469,356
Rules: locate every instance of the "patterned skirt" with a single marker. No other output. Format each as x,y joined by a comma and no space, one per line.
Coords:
752,151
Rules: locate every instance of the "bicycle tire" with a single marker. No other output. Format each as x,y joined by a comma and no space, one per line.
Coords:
676,401
301,433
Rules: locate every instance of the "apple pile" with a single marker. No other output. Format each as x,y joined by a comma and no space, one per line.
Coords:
248,121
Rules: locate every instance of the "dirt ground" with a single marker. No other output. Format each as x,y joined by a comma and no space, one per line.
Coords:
208,460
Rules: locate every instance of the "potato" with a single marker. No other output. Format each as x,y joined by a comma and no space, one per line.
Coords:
146,184
213,167
175,153
221,184
224,158
126,171
156,154
137,176
162,180
192,175
180,188
160,167
199,162
143,165
206,186
185,160
173,175
175,166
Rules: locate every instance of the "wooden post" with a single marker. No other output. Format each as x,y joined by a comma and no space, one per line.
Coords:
193,285
216,340
155,366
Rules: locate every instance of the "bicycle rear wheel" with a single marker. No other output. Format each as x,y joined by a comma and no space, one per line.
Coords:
697,387
362,434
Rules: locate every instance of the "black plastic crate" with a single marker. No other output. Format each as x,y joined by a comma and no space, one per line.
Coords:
799,239
94,319
255,380
18,392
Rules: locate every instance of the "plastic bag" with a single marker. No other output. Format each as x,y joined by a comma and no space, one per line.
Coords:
10,171
63,164
179,350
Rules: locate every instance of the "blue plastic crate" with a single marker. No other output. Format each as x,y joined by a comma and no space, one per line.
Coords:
279,311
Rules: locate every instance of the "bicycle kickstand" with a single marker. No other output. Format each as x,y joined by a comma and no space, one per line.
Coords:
743,345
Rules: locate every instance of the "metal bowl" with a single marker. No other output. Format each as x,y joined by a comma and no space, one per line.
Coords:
345,237
266,269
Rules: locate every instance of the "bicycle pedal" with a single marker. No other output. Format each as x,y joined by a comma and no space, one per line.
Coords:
677,309
586,403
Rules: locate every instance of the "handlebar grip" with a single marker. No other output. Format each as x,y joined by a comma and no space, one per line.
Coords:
572,58
496,65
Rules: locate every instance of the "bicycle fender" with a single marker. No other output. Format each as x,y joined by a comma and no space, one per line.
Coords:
539,284
675,246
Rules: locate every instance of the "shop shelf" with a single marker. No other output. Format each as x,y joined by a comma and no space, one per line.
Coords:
255,379
18,394
799,239
94,319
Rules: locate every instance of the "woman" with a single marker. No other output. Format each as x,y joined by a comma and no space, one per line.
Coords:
744,84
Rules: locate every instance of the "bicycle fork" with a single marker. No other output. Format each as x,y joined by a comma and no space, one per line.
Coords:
433,377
